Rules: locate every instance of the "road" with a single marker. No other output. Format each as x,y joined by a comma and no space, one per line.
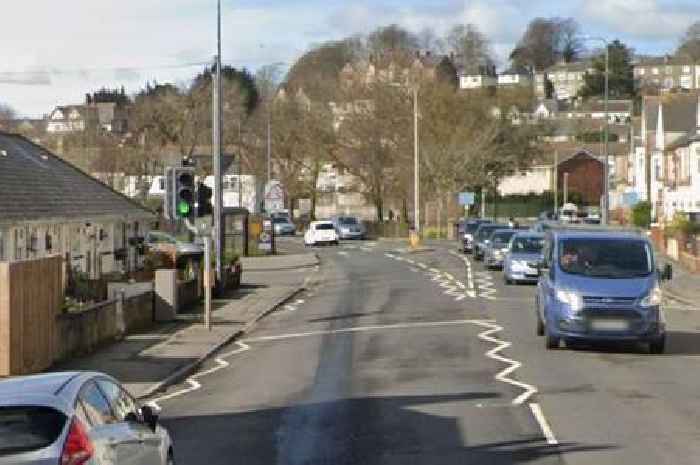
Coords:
399,358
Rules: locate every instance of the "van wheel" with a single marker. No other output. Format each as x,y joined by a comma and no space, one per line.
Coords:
171,458
540,326
550,342
658,346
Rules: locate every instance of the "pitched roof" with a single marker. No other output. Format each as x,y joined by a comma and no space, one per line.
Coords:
662,60
575,66
37,185
598,105
679,112
568,150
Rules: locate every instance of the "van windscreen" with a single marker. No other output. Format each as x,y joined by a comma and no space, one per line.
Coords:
605,258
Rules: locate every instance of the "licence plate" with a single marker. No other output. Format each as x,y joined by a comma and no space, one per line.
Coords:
609,325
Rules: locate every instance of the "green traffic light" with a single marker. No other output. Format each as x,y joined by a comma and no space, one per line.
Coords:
183,208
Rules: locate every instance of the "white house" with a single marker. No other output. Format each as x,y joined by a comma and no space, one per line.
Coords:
49,207
515,77
477,77
67,119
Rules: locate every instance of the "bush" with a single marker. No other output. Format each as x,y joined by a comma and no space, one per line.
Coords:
682,225
432,233
641,214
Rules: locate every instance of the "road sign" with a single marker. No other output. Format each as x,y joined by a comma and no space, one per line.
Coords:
466,198
274,196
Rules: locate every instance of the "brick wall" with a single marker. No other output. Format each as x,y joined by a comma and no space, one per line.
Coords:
585,177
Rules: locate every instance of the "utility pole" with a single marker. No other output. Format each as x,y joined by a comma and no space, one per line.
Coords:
566,188
416,164
216,149
606,168
556,182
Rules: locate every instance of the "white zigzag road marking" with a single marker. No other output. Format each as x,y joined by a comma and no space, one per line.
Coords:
503,376
192,380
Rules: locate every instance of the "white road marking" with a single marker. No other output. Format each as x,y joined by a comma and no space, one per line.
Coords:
460,285
544,425
449,276
435,270
412,262
422,265
192,382
290,307
513,365
388,255
358,329
415,270
342,252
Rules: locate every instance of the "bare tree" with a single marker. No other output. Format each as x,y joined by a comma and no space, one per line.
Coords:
690,43
392,38
470,46
7,112
546,41
429,41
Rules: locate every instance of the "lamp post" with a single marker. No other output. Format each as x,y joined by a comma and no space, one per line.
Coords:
606,168
416,159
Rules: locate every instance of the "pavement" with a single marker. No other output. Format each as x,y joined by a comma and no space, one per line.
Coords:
149,362
685,286
393,358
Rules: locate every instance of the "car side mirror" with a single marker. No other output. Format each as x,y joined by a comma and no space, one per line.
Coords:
667,273
150,418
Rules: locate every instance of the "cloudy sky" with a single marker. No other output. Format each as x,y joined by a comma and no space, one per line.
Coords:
54,52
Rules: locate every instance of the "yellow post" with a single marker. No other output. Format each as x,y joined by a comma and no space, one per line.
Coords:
413,239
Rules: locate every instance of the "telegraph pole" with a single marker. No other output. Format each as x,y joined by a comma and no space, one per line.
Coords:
216,147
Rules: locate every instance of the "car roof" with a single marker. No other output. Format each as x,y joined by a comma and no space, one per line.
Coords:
55,389
529,234
597,233
504,230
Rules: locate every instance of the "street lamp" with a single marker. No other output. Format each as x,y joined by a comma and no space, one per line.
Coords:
416,164
606,176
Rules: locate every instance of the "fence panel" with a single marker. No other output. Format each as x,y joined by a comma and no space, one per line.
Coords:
30,298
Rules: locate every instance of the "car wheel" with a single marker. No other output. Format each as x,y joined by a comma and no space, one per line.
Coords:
550,341
506,280
540,325
658,346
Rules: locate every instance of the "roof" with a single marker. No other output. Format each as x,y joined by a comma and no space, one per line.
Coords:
662,60
42,384
36,185
679,112
575,66
568,150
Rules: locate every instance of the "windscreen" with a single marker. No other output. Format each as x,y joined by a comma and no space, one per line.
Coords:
279,220
347,220
605,258
28,428
502,238
324,226
528,244
485,231
471,227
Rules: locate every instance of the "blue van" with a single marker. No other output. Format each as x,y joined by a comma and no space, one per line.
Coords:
600,285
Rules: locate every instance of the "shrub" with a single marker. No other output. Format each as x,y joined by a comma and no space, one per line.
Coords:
641,214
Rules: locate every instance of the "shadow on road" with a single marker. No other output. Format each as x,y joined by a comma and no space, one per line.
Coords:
677,343
374,430
342,317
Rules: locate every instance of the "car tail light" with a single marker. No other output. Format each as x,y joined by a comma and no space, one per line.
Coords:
78,448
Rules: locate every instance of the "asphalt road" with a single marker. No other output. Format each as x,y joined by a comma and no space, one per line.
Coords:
394,358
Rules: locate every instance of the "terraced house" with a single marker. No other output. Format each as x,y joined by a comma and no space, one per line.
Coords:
49,207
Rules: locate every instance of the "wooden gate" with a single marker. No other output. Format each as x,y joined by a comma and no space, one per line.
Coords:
30,298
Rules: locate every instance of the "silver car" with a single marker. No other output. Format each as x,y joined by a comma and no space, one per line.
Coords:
155,239
77,418
349,227
497,247
283,226
524,253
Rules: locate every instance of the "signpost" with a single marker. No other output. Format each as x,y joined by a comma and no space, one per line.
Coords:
274,196
466,198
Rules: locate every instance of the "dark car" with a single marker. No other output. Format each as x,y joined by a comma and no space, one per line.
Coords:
467,230
481,238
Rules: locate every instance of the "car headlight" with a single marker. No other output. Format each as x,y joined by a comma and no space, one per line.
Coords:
345,230
468,237
652,299
571,298
498,253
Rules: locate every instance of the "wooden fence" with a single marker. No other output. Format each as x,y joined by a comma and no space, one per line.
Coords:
30,299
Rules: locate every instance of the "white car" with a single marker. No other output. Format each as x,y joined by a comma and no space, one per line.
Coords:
321,232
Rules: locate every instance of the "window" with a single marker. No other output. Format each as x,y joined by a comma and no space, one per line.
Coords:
669,70
28,428
686,69
655,71
96,406
668,83
698,163
642,71
657,171
18,245
122,404
48,244
2,246
161,184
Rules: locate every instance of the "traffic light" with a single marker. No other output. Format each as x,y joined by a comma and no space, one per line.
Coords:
183,200
204,198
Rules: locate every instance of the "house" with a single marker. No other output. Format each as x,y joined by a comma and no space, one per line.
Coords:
666,72
566,79
477,77
682,174
665,120
69,118
545,109
619,111
49,207
515,77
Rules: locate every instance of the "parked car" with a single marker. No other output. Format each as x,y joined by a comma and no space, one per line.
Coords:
349,227
320,232
481,238
600,285
78,418
467,230
547,215
497,247
568,213
155,240
283,226
522,258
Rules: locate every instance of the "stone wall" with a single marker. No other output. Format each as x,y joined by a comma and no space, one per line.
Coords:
84,332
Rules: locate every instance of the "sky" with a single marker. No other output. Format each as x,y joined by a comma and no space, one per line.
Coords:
52,53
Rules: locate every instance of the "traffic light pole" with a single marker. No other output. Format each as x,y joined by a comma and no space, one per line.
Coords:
216,146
